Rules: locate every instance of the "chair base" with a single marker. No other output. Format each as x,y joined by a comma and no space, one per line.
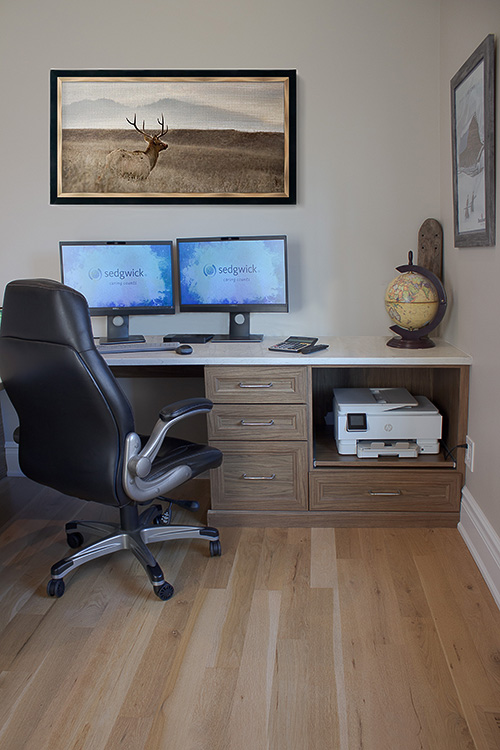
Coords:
134,532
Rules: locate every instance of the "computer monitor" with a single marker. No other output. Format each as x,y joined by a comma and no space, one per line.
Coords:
238,275
120,279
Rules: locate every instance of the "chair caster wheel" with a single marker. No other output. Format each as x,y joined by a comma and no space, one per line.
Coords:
215,549
74,540
164,592
55,587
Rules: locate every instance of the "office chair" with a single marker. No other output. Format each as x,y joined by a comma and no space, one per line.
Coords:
76,431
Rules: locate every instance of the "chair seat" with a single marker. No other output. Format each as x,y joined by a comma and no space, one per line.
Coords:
176,452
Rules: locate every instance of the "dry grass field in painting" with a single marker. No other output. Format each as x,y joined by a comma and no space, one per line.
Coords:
196,162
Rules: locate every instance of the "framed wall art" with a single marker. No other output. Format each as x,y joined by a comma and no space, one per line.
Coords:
173,136
473,148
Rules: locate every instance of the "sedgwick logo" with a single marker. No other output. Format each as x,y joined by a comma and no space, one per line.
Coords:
96,274
211,270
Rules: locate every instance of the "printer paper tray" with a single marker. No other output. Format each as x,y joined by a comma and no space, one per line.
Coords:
376,448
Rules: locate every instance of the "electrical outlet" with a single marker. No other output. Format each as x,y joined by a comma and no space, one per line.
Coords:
469,453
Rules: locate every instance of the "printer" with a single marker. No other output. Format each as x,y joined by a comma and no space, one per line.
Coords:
373,422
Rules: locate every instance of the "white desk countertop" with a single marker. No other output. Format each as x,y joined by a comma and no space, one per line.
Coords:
351,350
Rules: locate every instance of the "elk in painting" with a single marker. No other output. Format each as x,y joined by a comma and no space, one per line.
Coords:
137,165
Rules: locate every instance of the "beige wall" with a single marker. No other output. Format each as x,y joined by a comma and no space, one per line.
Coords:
368,138
472,274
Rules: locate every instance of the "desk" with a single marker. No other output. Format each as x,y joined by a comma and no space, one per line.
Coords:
281,467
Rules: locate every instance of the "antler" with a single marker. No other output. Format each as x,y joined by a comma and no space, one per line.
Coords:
142,132
162,125
134,124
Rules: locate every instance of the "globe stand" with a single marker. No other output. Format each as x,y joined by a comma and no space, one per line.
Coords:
418,338
404,342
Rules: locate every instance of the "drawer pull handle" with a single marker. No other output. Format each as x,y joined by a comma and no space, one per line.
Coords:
257,424
258,479
255,385
384,494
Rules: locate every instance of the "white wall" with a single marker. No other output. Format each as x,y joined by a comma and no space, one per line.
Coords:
472,275
368,138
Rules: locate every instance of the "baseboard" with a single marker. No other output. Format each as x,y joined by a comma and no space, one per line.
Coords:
483,542
12,460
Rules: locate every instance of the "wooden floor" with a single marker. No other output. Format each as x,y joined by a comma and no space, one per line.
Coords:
298,639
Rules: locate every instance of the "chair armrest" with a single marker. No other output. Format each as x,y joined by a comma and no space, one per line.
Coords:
140,464
185,408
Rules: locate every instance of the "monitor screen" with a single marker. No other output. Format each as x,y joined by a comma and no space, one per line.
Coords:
120,278
238,275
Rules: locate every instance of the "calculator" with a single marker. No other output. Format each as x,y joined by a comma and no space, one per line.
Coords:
293,344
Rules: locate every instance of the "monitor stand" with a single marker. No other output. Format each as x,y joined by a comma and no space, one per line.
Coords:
239,329
117,329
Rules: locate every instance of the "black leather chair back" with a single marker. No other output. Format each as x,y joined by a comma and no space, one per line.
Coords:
73,415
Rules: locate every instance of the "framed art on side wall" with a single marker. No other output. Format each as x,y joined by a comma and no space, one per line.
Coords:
473,148
173,136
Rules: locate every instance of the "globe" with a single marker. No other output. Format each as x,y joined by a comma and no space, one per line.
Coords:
411,300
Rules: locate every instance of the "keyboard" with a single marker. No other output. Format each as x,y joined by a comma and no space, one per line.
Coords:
137,346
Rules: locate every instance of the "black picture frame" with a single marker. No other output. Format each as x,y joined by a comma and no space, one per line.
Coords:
232,136
473,148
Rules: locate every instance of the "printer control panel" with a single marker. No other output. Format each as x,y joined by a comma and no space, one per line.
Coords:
356,422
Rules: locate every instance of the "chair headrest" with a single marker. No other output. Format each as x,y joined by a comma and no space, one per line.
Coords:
46,310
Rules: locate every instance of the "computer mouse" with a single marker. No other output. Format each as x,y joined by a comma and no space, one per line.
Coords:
184,349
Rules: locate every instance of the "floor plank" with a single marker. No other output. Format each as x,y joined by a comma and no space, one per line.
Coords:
296,639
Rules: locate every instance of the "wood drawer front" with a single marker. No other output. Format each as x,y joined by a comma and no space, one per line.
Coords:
261,476
258,422
379,489
256,385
